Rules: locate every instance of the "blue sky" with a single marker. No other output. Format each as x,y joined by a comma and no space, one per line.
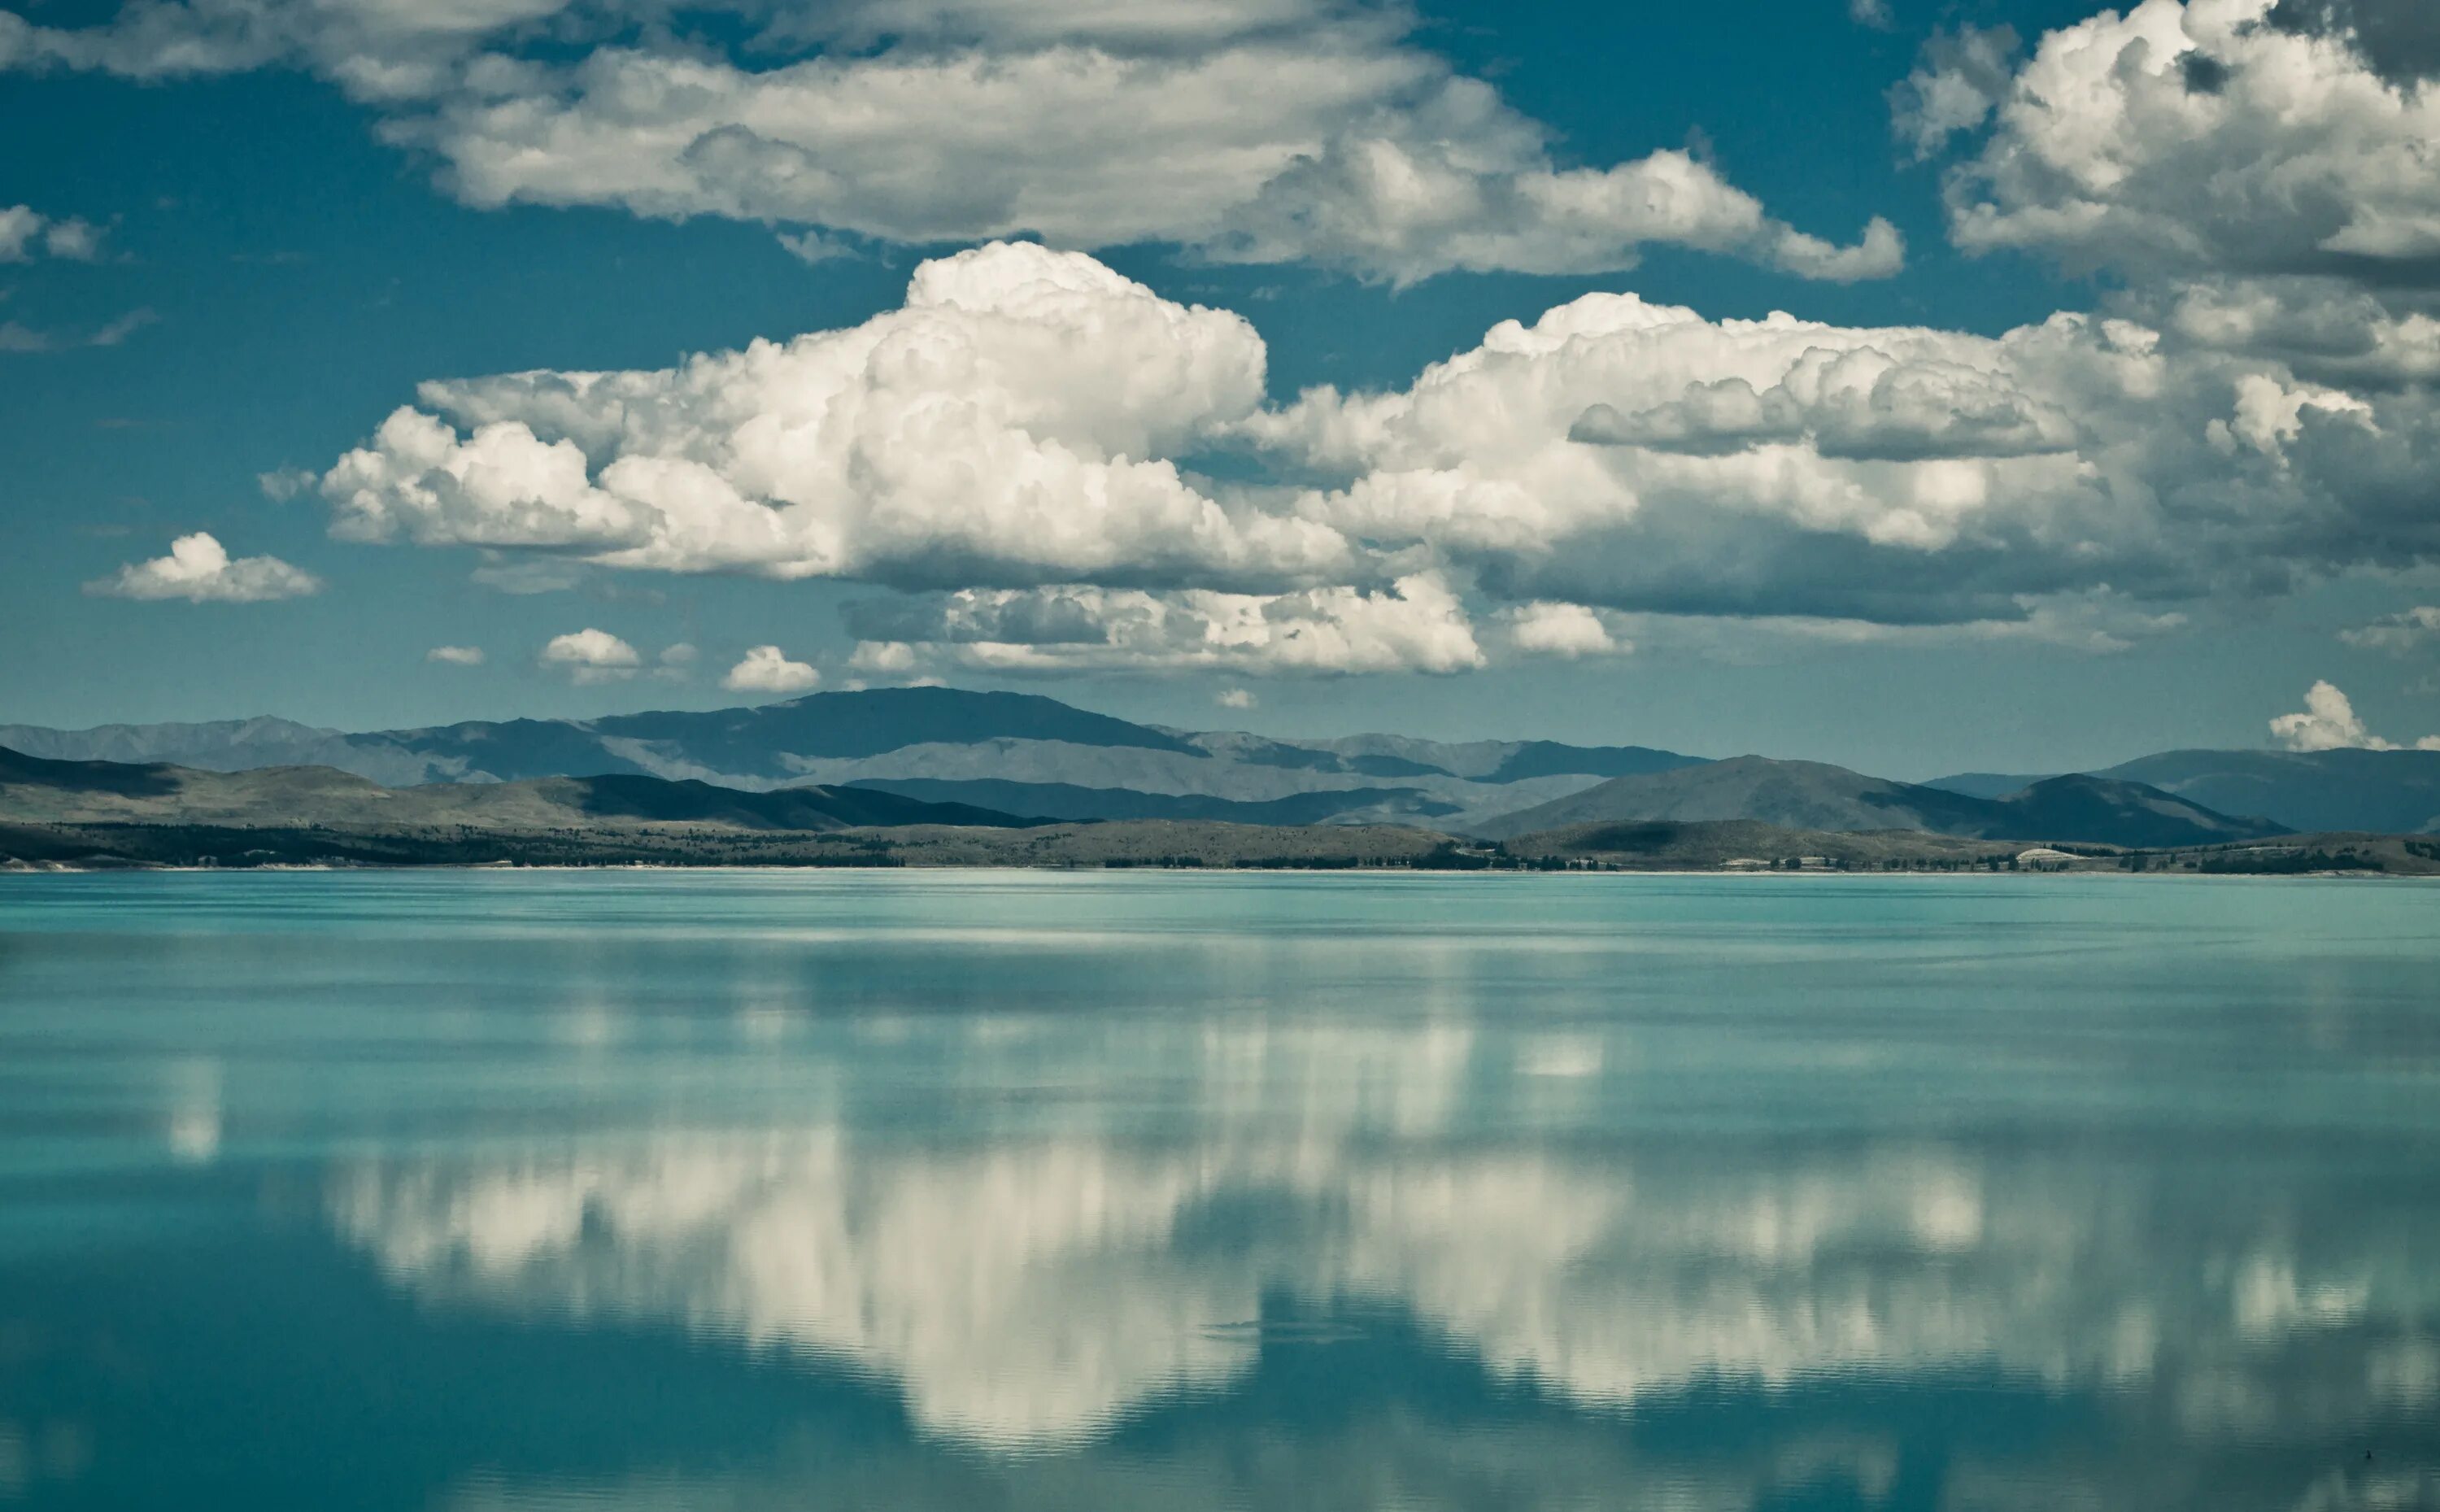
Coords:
1890,535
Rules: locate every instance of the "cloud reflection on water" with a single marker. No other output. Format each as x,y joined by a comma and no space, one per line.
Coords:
1033,1292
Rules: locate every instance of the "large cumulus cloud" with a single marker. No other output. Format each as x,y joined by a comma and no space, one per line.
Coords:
1011,424
2255,175
2194,137
1014,445
1641,457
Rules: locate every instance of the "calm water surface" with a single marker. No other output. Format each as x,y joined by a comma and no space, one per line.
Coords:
742,1191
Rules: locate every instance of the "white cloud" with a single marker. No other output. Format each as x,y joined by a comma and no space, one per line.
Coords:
1627,455
2328,722
1872,13
813,248
1409,210
1567,630
1235,698
883,658
767,670
117,331
285,483
590,656
455,655
1418,624
2400,632
1331,142
1012,421
1275,130
1961,76
17,337
1016,428
24,231
200,570
2172,137
2172,144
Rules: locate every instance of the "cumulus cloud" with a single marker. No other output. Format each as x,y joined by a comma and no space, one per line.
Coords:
767,670
2399,39
199,571
2328,722
1566,630
1627,455
1417,624
1235,698
1270,130
1016,433
455,655
1856,404
1013,421
26,232
2255,171
883,658
2168,138
2400,632
590,657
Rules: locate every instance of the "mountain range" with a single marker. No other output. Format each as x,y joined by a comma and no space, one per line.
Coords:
37,791
1015,751
1020,754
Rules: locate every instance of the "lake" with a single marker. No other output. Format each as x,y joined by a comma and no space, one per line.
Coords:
626,1192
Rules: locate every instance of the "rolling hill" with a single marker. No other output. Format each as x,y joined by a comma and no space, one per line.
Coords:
2393,792
1814,796
36,791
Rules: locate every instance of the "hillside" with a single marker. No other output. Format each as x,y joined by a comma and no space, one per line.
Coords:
34,791
2394,792
1816,797
2110,811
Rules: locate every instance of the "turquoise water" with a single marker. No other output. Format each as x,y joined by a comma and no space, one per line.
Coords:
732,1190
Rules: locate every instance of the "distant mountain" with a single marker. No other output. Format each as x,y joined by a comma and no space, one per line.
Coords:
1548,758
1813,796
901,735
994,749
2110,811
220,744
2390,792
38,791
1987,784
93,814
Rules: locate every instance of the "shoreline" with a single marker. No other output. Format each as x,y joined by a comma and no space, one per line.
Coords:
1826,873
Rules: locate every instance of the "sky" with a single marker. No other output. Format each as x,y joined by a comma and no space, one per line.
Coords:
1918,387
